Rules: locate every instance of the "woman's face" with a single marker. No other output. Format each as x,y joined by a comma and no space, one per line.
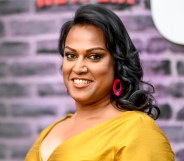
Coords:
88,67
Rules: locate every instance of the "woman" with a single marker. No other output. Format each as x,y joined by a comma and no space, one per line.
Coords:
102,73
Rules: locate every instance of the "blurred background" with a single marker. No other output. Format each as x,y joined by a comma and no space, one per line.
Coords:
32,93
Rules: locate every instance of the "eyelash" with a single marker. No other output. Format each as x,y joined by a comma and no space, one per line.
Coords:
93,57
70,56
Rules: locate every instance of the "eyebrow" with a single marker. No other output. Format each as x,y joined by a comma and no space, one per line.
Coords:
88,50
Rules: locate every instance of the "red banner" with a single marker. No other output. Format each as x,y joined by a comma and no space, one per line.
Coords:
42,3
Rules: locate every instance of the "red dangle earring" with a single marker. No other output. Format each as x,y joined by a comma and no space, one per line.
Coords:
118,87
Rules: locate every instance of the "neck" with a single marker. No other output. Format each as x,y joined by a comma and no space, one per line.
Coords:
102,108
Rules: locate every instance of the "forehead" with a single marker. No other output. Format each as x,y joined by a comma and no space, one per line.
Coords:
85,34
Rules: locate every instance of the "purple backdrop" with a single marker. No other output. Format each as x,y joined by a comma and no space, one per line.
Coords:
32,94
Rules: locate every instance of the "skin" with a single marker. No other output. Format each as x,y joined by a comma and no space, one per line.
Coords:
88,73
86,58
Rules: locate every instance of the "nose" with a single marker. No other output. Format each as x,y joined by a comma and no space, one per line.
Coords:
80,66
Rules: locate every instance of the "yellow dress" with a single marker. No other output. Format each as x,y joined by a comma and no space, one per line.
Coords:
131,136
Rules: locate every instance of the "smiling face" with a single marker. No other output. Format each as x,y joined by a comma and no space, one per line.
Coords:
88,67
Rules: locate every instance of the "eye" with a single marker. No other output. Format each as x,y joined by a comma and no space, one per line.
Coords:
95,57
70,56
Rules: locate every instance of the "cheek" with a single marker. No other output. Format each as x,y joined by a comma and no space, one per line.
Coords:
105,71
65,71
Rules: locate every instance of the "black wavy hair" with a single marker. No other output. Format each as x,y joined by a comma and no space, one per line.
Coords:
127,63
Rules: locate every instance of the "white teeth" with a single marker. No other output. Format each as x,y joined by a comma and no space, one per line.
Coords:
80,81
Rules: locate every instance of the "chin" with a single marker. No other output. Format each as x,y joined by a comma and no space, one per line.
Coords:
80,99
83,99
